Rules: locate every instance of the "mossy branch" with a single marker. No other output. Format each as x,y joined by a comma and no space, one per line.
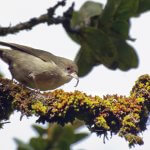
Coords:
125,116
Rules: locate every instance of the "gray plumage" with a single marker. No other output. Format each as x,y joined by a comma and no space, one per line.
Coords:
36,68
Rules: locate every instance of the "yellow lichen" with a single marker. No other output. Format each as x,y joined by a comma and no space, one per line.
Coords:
101,122
39,107
126,115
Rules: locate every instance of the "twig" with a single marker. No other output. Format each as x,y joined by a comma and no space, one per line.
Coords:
45,18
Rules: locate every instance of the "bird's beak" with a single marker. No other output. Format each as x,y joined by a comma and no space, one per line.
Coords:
74,75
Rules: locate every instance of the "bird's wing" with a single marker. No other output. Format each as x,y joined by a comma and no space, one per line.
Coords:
45,56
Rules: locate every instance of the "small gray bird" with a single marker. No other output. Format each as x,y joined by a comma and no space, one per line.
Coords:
36,68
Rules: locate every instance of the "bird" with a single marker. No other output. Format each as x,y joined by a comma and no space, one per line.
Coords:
37,69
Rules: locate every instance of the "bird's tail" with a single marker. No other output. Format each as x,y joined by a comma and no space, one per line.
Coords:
3,53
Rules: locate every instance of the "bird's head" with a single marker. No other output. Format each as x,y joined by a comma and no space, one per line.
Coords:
69,69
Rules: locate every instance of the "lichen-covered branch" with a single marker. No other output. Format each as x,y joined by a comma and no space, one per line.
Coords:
45,18
125,116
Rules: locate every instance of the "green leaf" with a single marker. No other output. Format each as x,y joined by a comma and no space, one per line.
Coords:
68,134
84,60
144,5
65,139
63,145
119,10
127,55
90,9
109,12
41,131
69,137
56,132
121,27
80,136
101,45
39,143
75,23
22,146
127,9
82,17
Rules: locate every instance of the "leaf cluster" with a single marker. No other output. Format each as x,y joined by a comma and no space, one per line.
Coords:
104,34
53,137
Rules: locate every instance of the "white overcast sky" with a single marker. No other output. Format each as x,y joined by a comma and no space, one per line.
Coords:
100,81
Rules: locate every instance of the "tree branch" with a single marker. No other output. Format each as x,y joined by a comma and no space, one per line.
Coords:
45,18
125,116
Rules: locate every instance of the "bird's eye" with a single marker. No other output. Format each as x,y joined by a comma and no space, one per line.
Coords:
68,68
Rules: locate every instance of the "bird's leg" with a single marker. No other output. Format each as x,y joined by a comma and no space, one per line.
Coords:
39,95
11,69
12,78
34,80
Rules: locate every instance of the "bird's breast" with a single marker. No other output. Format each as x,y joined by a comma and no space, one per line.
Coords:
51,81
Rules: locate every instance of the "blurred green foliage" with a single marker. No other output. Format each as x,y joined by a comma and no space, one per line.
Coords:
1,75
54,137
104,34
